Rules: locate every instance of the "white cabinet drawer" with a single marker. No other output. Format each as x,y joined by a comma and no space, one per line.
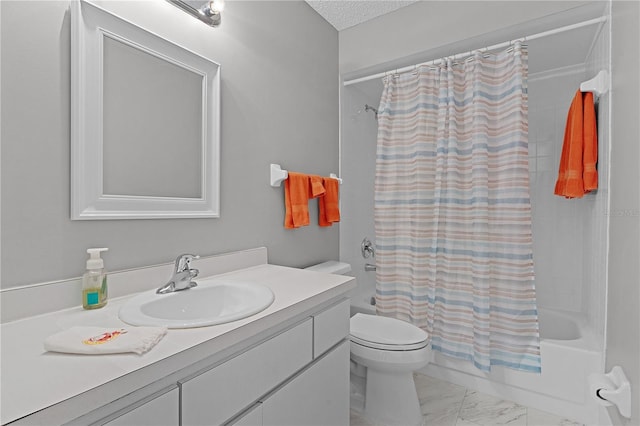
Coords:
330,326
159,411
319,396
216,395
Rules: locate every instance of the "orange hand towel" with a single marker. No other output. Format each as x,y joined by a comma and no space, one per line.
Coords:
317,186
328,205
296,200
577,174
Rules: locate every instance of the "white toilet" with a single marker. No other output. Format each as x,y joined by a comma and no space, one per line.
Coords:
384,354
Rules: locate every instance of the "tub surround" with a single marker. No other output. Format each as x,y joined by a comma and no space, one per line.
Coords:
58,388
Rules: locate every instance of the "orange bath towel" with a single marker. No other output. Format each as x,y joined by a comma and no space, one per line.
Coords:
296,200
328,205
577,174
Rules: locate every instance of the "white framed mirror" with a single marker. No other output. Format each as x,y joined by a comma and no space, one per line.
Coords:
145,123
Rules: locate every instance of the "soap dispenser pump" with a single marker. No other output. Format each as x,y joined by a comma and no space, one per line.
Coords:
94,281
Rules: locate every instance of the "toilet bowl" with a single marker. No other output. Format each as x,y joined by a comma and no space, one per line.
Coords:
385,352
391,350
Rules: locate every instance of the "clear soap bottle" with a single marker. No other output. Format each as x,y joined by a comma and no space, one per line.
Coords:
94,281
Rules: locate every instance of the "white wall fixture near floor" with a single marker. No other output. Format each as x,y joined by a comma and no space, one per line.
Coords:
612,388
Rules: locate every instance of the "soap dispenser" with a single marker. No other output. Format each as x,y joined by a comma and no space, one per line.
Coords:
94,281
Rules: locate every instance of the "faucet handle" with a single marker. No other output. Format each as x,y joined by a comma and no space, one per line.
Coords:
183,262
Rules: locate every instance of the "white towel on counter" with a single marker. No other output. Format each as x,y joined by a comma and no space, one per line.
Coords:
102,340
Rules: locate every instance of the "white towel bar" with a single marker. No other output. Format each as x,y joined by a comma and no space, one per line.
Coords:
278,175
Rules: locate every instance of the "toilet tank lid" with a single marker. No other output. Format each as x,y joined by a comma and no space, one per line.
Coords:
331,267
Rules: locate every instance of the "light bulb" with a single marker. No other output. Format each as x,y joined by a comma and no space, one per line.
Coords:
216,6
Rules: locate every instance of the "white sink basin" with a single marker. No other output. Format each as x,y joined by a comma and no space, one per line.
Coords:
213,301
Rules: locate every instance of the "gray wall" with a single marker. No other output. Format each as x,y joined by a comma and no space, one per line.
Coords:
623,318
279,104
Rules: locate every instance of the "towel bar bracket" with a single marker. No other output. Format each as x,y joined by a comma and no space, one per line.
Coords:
277,175
334,176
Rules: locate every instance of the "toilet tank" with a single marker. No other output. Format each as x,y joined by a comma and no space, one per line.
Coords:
331,267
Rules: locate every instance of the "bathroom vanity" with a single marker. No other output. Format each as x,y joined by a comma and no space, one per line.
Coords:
287,365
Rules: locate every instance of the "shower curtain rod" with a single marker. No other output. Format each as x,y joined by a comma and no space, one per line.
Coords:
493,47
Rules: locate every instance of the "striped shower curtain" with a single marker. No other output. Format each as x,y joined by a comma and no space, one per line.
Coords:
452,211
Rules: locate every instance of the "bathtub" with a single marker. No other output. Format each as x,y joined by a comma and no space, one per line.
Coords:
569,353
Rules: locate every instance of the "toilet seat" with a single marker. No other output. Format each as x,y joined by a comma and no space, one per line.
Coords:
387,334
383,347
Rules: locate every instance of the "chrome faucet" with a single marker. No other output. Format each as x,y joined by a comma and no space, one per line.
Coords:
182,275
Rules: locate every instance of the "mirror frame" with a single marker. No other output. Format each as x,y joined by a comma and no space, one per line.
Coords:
90,24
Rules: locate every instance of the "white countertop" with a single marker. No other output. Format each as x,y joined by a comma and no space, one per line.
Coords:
71,385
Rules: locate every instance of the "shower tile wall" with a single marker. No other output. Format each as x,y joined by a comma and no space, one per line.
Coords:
569,234
557,222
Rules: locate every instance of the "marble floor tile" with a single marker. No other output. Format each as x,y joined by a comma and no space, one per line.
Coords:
486,410
541,418
443,417
356,419
446,404
435,394
440,401
463,422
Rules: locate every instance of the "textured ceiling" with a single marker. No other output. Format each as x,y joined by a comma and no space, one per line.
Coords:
347,13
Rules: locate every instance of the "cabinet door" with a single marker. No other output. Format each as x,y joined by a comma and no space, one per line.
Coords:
317,396
330,326
160,411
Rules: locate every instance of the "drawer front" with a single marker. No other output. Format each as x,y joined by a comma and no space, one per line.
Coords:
216,395
160,411
319,396
330,326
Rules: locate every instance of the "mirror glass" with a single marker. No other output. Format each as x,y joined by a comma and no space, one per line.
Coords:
168,140
145,123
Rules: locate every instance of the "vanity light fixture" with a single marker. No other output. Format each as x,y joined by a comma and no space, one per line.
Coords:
209,11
